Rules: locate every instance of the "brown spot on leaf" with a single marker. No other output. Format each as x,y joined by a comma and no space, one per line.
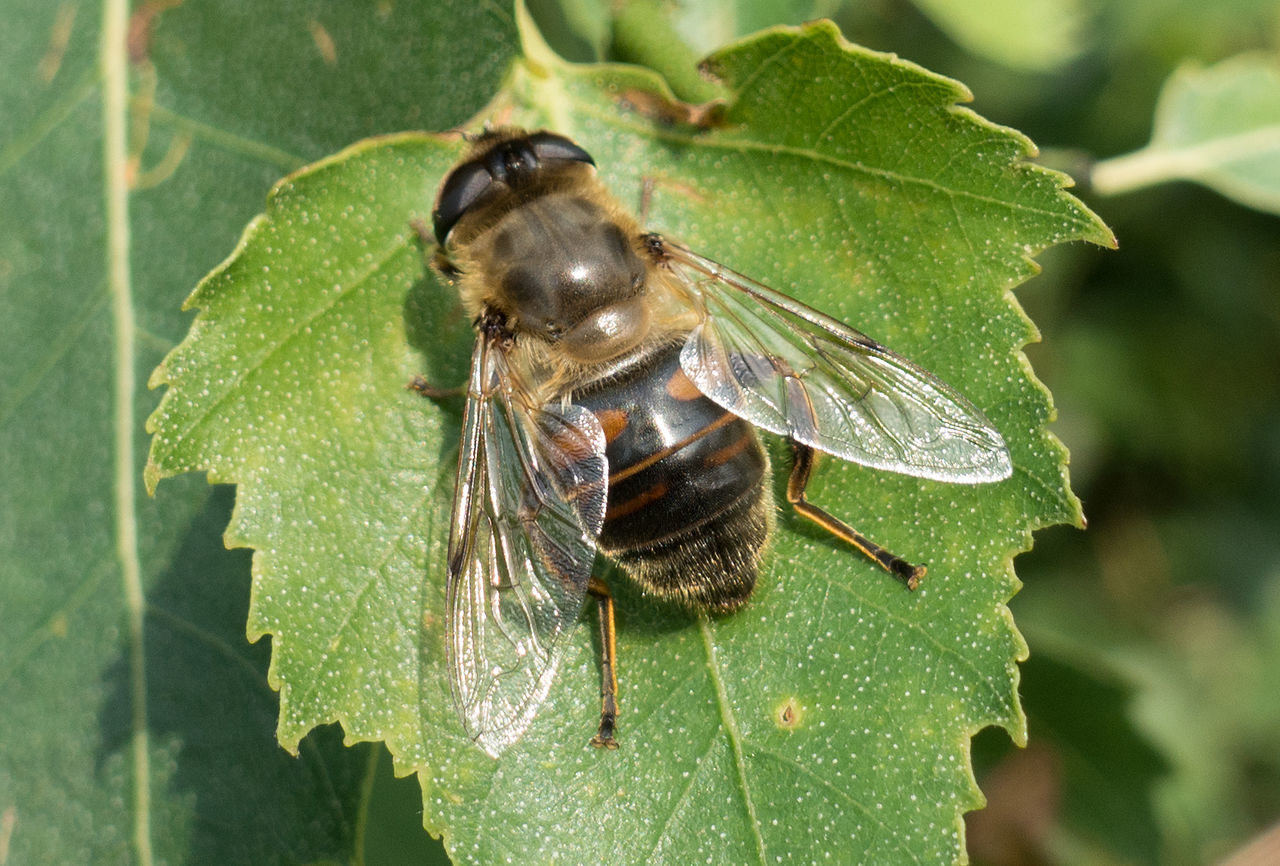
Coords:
789,714
59,37
324,43
671,112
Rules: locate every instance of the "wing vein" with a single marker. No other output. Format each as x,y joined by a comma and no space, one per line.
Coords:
532,486
796,372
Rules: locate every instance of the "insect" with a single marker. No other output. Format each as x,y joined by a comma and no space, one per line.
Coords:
615,384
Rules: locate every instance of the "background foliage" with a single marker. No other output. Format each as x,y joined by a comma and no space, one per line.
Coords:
1155,636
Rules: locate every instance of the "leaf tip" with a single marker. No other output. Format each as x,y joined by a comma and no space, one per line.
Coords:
151,476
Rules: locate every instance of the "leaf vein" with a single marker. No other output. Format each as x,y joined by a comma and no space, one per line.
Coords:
48,120
920,629
840,794
58,347
734,736
229,141
231,386
661,835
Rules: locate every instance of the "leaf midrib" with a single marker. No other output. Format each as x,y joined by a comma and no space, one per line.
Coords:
732,734
114,64
1166,158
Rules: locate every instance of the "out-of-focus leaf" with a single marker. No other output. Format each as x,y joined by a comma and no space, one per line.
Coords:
1036,35
831,717
644,34
1219,126
1110,769
1085,789
708,25
108,743
577,29
1203,697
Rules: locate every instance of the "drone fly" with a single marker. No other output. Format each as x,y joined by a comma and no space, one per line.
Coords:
615,386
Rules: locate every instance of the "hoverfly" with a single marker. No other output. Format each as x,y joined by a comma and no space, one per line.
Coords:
615,384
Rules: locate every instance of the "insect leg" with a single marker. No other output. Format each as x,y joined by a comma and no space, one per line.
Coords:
799,480
646,198
433,392
422,230
608,675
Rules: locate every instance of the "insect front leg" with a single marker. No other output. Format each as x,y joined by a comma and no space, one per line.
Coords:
433,392
796,484
493,326
599,590
649,186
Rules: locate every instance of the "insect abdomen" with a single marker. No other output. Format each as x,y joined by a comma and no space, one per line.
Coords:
688,512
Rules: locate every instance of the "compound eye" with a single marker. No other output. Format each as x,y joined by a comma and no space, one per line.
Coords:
460,191
548,145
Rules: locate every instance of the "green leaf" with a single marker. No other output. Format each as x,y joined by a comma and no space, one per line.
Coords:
1033,35
1203,692
137,723
1218,126
1039,35
644,34
832,715
711,24
1036,35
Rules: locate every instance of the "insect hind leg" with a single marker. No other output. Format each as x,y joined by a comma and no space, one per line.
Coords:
608,672
796,484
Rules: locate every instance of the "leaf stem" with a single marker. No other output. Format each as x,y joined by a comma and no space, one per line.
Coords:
360,836
115,101
1158,163
643,34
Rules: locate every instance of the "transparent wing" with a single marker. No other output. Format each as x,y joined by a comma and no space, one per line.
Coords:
793,371
530,501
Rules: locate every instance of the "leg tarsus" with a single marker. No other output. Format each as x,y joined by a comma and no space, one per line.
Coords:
432,392
909,574
603,739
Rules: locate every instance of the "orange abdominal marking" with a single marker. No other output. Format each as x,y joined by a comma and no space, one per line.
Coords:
679,386
614,421
728,452
635,503
644,464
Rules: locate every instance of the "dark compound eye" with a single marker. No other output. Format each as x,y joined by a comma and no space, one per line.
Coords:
548,145
460,191
509,163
